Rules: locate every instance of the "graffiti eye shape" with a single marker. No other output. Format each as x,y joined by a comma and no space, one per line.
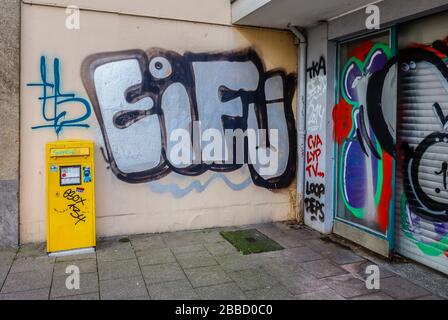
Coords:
160,68
405,67
413,65
356,82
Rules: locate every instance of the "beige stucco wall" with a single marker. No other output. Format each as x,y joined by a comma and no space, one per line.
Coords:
127,208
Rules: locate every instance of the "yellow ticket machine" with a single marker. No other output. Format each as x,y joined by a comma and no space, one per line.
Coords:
70,196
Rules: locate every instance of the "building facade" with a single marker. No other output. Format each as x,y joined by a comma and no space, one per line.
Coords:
357,93
180,59
376,136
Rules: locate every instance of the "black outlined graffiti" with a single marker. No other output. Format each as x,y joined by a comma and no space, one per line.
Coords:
443,173
443,120
380,124
317,68
421,203
426,201
150,93
75,205
314,192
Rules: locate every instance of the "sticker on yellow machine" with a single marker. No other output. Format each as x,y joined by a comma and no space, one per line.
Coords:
69,152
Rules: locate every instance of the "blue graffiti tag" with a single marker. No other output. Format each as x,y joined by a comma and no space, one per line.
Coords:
51,94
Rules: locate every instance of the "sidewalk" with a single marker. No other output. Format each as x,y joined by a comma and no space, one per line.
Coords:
203,265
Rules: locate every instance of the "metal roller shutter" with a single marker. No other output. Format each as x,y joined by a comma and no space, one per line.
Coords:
421,177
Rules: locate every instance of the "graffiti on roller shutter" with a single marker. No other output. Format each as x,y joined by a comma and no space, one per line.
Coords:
424,203
365,135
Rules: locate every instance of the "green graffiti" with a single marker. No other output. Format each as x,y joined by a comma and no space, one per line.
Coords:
362,65
433,249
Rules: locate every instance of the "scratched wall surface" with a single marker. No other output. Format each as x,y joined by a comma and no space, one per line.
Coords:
9,120
126,82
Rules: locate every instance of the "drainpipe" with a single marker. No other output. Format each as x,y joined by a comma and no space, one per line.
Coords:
301,116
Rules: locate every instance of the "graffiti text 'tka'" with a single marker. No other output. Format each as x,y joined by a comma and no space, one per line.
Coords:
52,100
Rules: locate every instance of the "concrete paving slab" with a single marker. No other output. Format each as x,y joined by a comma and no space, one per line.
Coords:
328,294
207,276
115,251
144,242
252,279
112,244
236,262
281,266
323,268
274,293
347,286
422,276
163,273
9,250
76,257
212,236
38,294
155,256
221,248
289,241
174,290
302,282
228,291
123,288
88,284
27,281
118,269
6,256
431,297
188,249
301,254
374,296
146,298
32,250
31,264
322,247
4,270
358,270
343,256
302,232
87,296
179,239
270,231
402,289
85,266
195,259
260,259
